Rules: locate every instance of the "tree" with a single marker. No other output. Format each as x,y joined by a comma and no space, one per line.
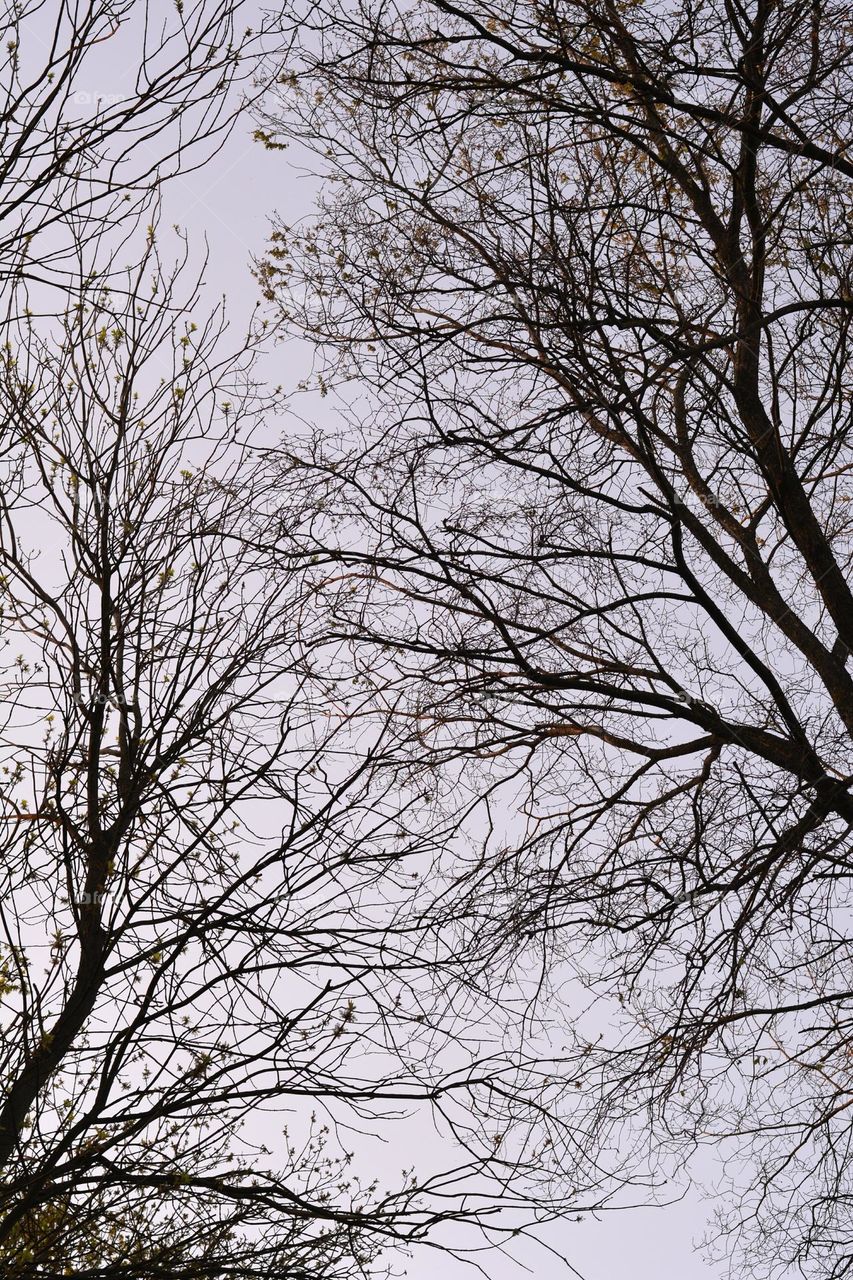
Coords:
152,966
594,260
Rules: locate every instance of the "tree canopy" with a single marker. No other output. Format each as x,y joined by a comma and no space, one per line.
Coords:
593,262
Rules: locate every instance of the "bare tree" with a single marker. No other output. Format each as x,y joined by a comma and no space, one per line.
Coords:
150,687
594,260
